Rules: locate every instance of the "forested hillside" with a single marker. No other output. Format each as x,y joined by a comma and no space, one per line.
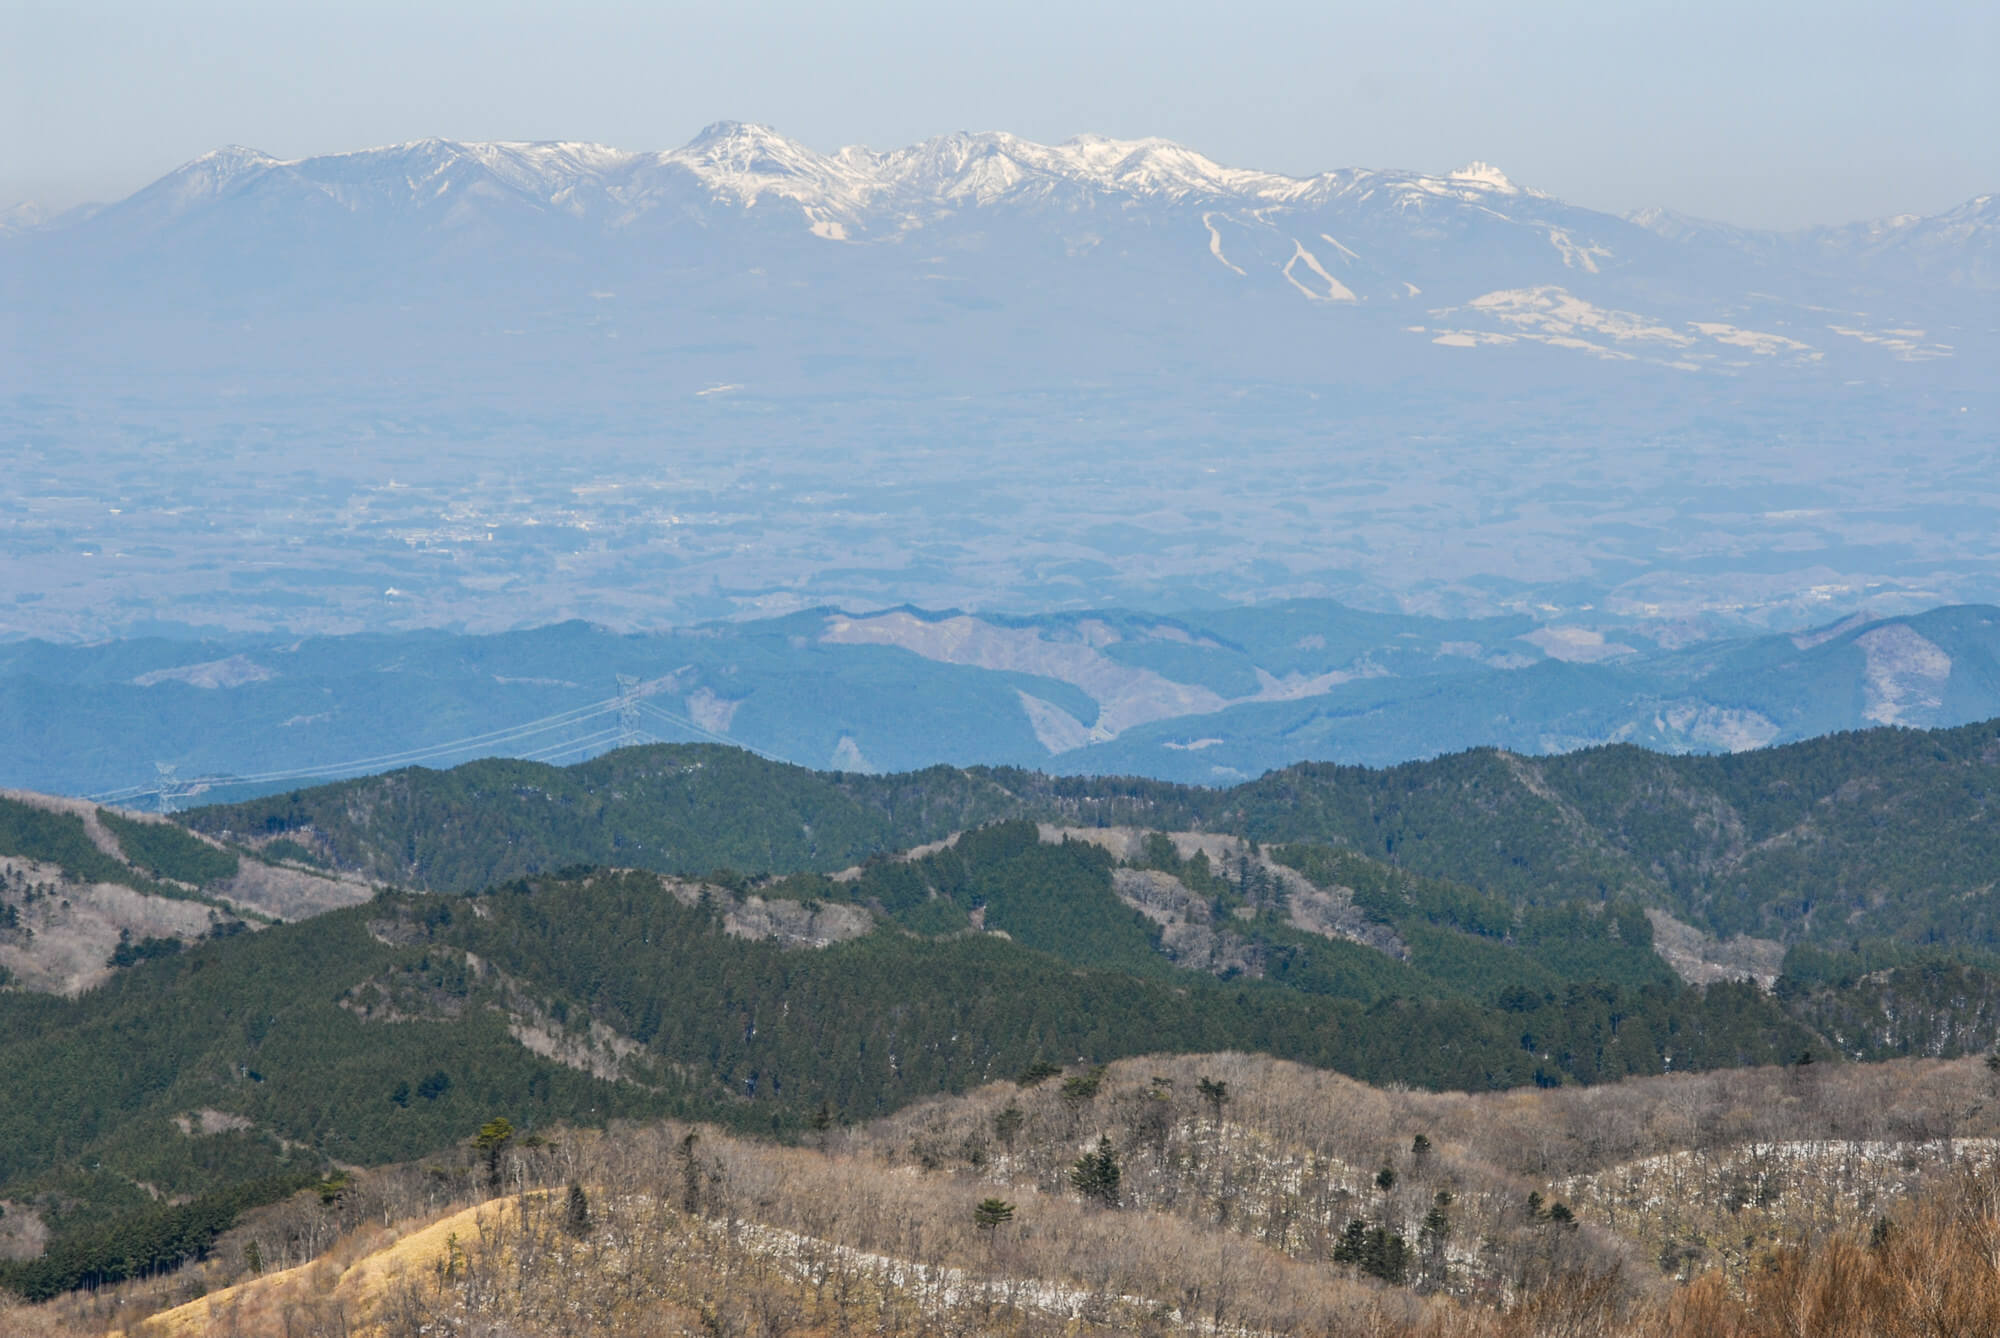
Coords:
386,1030
1851,836
675,808
695,932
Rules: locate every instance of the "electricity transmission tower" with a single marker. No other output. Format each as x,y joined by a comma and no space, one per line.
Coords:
169,792
628,710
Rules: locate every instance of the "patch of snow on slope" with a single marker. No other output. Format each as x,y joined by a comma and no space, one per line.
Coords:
1757,341
1336,291
1335,243
1550,310
1583,257
1470,338
1907,345
1215,241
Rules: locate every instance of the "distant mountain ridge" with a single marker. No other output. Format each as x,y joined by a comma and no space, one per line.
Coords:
857,187
1211,697
1464,259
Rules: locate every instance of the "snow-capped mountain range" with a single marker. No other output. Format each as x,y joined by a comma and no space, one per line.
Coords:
977,231
744,164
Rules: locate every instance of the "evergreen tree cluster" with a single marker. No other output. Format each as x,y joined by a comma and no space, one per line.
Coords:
141,1242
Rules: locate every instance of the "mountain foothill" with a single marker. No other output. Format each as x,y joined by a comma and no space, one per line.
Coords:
365,973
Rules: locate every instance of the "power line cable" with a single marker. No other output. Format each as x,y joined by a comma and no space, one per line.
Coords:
385,761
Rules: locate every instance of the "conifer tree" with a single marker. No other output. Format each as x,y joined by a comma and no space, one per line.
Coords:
1096,1174
690,1175
1007,1124
992,1214
576,1211
1214,1091
491,1141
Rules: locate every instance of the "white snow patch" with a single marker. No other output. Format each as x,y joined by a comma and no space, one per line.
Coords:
1485,174
1334,242
1549,310
1215,241
1907,345
1757,341
1583,257
1336,291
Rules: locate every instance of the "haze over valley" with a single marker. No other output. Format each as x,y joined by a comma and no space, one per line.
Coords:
492,386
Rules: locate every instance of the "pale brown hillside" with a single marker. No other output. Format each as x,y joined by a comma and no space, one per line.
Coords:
1239,1176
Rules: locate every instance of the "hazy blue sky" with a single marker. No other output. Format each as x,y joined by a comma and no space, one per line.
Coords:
1760,113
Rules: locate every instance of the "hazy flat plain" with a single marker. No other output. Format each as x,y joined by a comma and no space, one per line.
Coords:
125,515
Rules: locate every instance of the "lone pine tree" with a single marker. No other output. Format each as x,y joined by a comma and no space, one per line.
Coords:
490,1142
1096,1174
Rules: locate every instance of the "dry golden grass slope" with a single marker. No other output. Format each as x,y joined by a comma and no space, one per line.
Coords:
1844,1201
354,1278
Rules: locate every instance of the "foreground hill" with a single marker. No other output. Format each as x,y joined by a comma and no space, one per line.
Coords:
1215,1193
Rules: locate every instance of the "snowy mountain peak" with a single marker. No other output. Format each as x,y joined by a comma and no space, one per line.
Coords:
729,138
742,161
224,164
1485,174
1162,167
211,175
985,167
21,217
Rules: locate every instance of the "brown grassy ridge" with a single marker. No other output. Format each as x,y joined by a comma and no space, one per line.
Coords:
1230,1210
